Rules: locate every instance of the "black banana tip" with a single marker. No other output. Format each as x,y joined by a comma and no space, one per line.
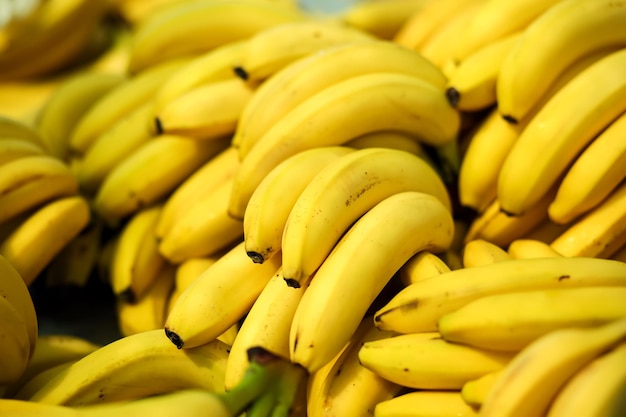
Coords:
453,96
127,296
510,119
292,283
174,338
158,125
260,355
256,257
241,73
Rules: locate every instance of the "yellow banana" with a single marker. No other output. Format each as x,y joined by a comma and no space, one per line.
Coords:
546,231
382,19
39,380
14,148
475,391
33,244
531,248
393,140
419,306
342,192
357,270
511,321
426,404
15,347
423,265
268,210
549,362
383,101
221,296
482,252
17,129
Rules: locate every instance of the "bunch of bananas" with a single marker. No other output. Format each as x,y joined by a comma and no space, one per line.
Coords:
375,211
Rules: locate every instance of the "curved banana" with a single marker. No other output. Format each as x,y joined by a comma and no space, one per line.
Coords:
28,182
17,129
15,349
34,383
475,391
220,296
14,148
382,101
382,19
274,48
549,362
511,321
426,403
33,244
419,306
423,265
531,248
607,371
199,26
304,78
426,361
136,261
560,36
391,139
342,192
186,272
118,102
135,183
357,269
478,252
206,112
67,104
205,228
269,207
118,371
584,188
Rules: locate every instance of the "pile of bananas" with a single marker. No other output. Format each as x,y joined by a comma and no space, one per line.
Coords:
404,208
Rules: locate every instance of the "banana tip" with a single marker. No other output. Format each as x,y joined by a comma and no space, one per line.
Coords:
241,73
510,119
453,96
256,257
174,338
292,283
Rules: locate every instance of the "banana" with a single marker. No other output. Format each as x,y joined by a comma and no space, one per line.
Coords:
383,101
620,254
607,371
401,225
546,231
196,187
14,148
221,296
69,102
549,362
478,252
267,324
199,26
598,233
426,404
205,229
342,192
475,391
423,265
31,181
419,306
14,128
560,139
111,147
531,248
274,48
214,65
582,188
118,102
425,361
39,380
307,76
523,317
472,84
347,388
268,209
15,348
382,19
136,261
209,111
44,234
393,140
119,370
135,183
148,311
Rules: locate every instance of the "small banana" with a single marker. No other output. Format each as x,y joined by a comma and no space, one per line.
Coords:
478,252
423,265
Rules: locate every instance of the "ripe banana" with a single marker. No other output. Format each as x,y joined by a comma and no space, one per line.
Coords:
15,349
531,248
14,128
135,183
136,261
549,362
221,296
426,404
37,381
560,36
523,317
342,192
205,229
195,27
67,104
383,101
274,48
475,391
268,209
302,79
583,188
209,111
606,371
423,265
358,269
419,306
120,370
546,231
346,388
33,244
382,19
196,187
478,252
394,140
14,148
425,361
31,181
